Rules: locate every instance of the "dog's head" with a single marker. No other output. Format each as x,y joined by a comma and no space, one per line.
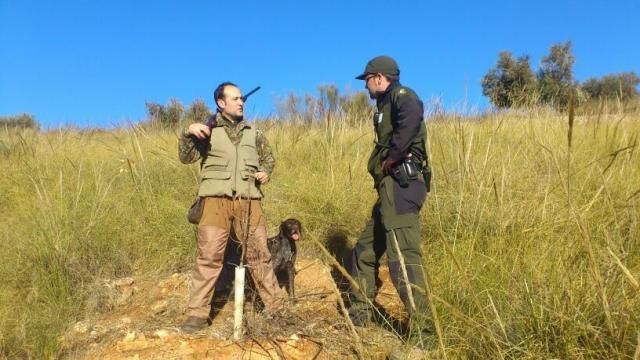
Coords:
291,228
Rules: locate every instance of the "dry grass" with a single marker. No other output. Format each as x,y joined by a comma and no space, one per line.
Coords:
531,246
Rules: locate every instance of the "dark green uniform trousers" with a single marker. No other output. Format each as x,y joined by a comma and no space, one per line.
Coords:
394,228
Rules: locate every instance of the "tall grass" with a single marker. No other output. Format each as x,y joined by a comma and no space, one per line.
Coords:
79,208
531,246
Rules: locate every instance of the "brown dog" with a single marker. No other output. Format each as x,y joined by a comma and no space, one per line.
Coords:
283,254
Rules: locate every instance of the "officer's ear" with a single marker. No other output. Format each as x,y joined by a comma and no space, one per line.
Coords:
377,78
383,80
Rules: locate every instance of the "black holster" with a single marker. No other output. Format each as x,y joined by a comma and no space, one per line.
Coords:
426,175
410,170
405,171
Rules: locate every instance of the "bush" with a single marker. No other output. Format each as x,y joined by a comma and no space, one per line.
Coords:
173,115
353,109
621,86
22,121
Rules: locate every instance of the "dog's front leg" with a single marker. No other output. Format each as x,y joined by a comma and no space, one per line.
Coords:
291,273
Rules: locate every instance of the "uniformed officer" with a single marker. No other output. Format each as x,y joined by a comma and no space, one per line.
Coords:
236,160
399,167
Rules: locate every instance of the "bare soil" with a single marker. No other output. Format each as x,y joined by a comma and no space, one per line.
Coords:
144,315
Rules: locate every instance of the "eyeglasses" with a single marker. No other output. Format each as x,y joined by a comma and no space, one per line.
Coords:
366,79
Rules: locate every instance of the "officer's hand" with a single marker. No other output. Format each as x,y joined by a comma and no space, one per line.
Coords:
262,177
198,130
387,165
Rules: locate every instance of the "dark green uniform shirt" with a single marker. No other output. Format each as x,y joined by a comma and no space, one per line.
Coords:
399,127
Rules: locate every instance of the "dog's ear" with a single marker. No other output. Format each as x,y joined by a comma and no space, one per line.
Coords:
283,228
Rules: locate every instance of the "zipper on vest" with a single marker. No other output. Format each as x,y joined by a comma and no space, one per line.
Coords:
235,171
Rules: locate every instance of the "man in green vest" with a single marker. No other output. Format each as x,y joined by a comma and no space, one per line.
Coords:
235,161
398,165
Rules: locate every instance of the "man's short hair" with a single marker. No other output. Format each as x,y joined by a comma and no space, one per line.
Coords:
218,93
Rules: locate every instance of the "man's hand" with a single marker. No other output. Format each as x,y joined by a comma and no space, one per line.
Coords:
262,177
387,165
200,131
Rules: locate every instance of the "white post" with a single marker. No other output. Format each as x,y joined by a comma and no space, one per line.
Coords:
238,296
238,303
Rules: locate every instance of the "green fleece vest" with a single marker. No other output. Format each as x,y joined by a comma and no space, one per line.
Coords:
228,169
383,126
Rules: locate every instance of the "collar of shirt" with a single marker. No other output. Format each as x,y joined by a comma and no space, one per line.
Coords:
221,120
384,97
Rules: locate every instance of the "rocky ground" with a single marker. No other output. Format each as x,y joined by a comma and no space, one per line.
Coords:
145,313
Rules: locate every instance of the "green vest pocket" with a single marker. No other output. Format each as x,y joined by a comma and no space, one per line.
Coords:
251,167
216,163
218,175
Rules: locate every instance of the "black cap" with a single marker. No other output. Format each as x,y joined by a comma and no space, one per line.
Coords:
380,64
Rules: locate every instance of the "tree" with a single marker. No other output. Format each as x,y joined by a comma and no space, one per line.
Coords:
511,83
555,77
621,86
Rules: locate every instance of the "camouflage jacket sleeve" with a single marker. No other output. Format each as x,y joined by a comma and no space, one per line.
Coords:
190,149
265,154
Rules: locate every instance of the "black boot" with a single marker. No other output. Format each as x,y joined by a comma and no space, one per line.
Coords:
359,317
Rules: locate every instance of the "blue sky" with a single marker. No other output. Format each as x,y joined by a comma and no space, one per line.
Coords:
95,63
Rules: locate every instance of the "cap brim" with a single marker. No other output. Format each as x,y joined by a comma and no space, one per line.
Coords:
362,76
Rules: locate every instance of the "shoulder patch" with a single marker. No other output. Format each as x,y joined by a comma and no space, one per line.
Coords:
402,91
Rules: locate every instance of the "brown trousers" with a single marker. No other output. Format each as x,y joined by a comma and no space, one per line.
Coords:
219,214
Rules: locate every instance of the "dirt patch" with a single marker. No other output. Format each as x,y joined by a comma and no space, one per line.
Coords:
143,324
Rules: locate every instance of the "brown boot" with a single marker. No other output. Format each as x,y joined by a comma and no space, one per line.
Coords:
194,324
